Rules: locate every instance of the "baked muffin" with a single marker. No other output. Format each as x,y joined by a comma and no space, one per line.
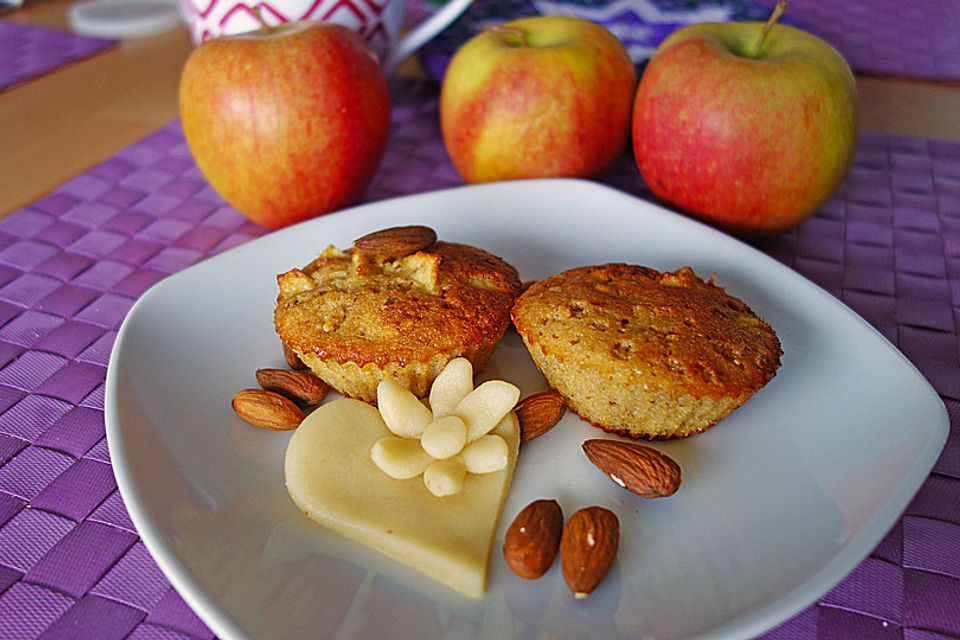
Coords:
645,354
357,316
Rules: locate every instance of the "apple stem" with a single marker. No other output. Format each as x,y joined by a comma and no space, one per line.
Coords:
507,30
758,43
258,12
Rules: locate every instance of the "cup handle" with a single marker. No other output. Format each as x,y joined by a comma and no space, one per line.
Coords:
423,33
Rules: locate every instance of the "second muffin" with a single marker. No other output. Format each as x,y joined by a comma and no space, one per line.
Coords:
642,353
355,317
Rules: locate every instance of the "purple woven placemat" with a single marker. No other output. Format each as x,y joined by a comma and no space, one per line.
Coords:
27,52
72,264
916,39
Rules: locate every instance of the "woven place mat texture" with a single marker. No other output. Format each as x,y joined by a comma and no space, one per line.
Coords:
917,39
28,52
73,263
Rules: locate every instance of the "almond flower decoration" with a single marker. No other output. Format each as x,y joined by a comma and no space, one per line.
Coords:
451,438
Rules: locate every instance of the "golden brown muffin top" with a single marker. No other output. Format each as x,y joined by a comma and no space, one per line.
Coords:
354,307
667,331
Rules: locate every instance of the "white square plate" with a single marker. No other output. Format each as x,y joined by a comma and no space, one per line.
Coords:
779,501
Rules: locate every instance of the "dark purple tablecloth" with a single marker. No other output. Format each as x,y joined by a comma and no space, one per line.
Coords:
27,52
73,263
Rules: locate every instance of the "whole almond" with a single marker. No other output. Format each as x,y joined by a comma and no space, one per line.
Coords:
588,547
539,413
635,467
396,242
292,359
533,538
300,386
267,410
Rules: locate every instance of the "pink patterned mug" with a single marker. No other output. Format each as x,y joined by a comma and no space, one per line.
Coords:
378,21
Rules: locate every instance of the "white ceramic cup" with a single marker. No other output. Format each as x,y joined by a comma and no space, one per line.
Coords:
378,21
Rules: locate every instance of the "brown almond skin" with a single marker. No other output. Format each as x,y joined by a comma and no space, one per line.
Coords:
539,413
396,242
588,548
267,410
300,386
533,539
526,285
292,359
635,467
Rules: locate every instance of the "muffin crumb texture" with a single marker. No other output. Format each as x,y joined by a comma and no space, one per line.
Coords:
354,318
646,354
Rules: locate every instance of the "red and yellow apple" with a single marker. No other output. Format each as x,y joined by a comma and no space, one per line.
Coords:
750,127
286,123
537,97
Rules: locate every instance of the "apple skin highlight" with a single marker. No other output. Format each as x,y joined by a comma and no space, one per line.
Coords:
287,123
537,97
753,146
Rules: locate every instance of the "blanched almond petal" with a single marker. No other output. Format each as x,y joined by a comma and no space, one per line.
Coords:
451,386
445,477
486,454
485,406
444,437
401,410
399,458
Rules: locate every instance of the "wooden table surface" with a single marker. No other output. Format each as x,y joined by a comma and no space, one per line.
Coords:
57,126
